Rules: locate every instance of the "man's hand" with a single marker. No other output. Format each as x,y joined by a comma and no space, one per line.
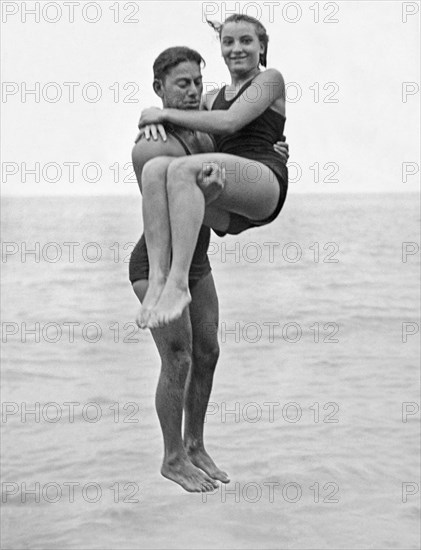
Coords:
211,181
282,148
151,115
153,130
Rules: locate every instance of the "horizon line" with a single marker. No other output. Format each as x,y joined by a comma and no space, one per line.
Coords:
114,195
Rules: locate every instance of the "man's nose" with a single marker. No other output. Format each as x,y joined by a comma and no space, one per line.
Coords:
193,90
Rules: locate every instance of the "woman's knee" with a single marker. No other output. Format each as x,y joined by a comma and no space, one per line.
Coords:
179,168
155,168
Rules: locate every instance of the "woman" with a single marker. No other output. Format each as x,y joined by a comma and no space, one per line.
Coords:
245,125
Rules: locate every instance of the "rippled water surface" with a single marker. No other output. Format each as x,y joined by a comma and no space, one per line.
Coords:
319,359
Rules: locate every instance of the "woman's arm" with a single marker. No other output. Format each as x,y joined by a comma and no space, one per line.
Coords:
268,87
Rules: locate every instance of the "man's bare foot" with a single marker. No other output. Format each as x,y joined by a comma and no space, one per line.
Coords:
151,299
183,472
202,460
170,306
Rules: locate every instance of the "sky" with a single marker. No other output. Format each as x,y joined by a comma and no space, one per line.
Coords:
351,69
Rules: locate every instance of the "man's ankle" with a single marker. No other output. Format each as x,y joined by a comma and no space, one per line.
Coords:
193,445
173,458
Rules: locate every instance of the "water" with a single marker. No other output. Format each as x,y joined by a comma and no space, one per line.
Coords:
313,368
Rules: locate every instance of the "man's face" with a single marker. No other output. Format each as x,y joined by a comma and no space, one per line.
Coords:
182,87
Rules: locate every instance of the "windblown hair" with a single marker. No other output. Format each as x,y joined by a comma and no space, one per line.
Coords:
171,57
260,31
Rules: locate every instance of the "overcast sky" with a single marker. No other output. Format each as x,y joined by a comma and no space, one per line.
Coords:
347,117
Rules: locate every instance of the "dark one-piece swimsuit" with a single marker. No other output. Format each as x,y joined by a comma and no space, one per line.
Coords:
255,142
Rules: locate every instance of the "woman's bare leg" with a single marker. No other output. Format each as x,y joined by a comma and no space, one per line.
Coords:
185,221
251,189
157,231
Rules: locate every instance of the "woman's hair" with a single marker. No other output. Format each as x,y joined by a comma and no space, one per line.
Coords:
260,31
172,57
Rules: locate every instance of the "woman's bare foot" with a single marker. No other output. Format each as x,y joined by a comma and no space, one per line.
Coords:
170,306
202,460
153,293
183,472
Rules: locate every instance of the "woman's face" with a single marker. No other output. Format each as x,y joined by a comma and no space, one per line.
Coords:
240,47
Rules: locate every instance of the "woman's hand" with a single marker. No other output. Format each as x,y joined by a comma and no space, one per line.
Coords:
152,115
153,130
282,148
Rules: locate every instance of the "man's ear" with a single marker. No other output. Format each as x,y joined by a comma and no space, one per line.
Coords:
158,88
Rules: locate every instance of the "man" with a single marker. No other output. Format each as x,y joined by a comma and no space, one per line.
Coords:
188,347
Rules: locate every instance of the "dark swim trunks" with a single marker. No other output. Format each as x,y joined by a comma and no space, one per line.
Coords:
200,266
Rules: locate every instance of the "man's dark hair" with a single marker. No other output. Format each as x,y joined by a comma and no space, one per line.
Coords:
172,57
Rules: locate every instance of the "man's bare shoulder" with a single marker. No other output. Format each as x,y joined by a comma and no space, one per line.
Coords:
209,97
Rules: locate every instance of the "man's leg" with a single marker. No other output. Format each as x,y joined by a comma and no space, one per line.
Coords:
174,343
204,322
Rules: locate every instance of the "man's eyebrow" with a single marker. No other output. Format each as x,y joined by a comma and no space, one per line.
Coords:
242,36
189,77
